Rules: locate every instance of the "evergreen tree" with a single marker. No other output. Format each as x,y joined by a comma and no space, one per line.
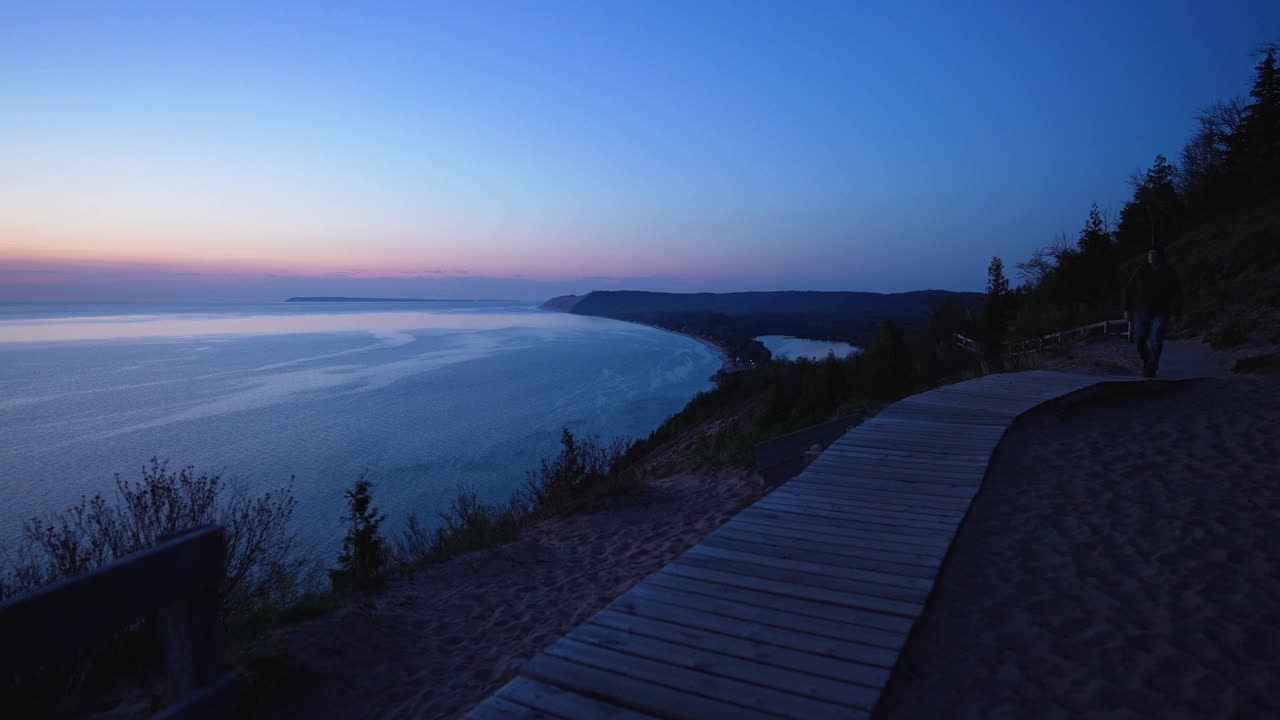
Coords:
364,551
1153,217
1255,151
995,308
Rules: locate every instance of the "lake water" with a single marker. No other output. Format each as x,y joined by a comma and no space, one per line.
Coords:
791,348
421,396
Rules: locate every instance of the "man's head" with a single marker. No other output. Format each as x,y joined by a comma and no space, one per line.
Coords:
1155,256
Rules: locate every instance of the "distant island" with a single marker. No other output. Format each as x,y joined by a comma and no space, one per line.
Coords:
364,299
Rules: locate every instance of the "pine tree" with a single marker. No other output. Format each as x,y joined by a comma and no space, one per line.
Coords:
995,309
364,551
1255,150
1153,217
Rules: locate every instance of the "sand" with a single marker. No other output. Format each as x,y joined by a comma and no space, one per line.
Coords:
436,643
1121,561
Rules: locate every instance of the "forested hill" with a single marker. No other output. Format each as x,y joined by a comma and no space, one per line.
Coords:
734,319
612,303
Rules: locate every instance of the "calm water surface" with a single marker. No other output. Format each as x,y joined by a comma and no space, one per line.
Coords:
421,396
791,348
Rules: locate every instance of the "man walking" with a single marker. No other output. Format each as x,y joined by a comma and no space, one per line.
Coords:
1152,296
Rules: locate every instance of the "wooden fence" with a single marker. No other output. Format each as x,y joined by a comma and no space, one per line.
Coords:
175,581
1107,327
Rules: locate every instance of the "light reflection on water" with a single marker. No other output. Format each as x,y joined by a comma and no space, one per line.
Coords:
791,348
110,327
422,397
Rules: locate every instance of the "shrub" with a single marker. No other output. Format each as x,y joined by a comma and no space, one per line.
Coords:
466,525
262,568
581,471
364,551
1232,331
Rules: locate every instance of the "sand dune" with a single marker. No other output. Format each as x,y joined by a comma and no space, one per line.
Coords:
1121,561
438,642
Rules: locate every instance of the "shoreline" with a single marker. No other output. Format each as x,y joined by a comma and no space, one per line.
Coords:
726,363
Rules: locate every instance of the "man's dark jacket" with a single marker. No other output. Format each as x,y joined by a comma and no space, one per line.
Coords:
1154,291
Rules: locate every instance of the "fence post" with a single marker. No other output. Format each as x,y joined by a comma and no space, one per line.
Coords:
190,632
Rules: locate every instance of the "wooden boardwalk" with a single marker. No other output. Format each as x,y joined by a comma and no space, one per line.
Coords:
799,606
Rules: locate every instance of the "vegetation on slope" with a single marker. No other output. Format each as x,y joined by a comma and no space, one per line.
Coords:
1217,215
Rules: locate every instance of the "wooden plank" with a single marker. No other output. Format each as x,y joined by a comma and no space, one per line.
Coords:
945,506
862,543
56,620
858,514
837,525
499,708
891,460
761,643
963,489
857,443
643,693
858,643
839,470
779,585
854,465
561,703
849,502
906,587
885,472
868,547
765,644
863,516
903,536
888,421
868,594
946,409
852,446
867,499
732,658
685,675
924,443
816,552
788,604
886,464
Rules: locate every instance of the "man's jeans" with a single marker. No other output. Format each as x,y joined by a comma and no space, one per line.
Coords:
1149,330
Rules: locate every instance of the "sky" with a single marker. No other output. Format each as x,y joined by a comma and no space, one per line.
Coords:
175,150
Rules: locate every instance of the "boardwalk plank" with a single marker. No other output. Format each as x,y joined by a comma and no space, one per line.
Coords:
638,693
868,500
755,579
873,543
562,703
864,506
755,663
781,602
787,518
893,496
868,549
818,554
867,594
857,514
907,587
681,672
499,708
961,489
845,644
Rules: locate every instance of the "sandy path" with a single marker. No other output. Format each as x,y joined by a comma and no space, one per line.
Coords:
1121,561
438,642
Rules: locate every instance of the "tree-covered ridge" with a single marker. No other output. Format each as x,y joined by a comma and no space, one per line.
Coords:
1215,213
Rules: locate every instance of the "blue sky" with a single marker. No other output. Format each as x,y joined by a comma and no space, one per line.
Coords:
523,148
